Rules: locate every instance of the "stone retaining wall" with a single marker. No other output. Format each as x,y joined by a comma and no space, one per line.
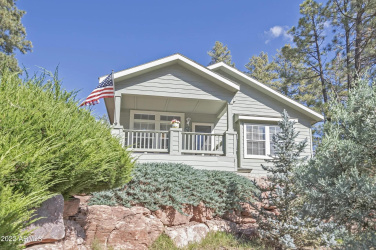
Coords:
80,226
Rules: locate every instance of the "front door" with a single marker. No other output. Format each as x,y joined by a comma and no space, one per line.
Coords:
203,138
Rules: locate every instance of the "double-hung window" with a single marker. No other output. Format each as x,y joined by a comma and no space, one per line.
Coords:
150,120
258,140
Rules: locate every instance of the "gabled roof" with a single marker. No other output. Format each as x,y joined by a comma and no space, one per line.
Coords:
266,90
181,60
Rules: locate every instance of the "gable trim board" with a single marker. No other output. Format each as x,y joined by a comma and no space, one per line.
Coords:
183,61
267,90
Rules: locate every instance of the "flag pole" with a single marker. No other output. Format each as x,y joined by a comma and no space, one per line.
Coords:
113,84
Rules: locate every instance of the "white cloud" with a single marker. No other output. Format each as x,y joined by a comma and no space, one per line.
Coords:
277,31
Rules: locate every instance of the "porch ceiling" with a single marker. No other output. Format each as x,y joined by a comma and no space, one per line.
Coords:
169,104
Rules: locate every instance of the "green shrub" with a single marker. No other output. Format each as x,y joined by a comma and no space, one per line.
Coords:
15,213
166,184
340,182
48,145
54,141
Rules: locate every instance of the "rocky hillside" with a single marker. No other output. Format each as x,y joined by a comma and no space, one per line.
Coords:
75,225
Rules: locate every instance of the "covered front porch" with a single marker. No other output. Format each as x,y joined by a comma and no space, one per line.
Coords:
205,138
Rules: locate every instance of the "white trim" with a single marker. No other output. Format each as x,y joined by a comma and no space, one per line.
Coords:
259,118
312,113
202,124
267,142
176,57
157,120
311,139
257,157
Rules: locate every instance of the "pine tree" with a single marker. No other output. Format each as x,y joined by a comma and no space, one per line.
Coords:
297,80
288,71
220,53
262,70
354,23
12,34
310,40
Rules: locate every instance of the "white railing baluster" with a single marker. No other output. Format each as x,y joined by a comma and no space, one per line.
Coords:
204,146
202,143
146,140
157,141
165,141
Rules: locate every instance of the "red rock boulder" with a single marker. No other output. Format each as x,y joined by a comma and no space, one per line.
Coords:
122,228
172,217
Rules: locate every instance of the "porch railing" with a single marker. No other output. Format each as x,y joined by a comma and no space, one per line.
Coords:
202,143
177,142
147,140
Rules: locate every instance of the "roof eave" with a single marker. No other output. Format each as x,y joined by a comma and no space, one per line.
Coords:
226,83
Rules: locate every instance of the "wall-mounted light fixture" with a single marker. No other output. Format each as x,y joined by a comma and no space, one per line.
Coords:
188,121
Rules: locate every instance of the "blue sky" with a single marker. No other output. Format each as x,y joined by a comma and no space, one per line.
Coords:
87,39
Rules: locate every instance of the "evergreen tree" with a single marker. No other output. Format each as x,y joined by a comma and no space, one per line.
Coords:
288,227
339,184
220,53
262,70
12,34
310,40
279,190
297,81
354,23
288,71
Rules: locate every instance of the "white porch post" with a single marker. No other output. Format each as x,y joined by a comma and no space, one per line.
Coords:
175,145
117,109
230,134
230,122
117,129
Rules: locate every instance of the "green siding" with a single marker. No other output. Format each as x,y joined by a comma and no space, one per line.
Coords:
249,101
173,81
176,81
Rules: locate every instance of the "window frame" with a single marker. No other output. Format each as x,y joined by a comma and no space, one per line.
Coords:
203,124
267,141
157,120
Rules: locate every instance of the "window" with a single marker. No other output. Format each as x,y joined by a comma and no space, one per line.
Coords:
258,140
150,120
144,122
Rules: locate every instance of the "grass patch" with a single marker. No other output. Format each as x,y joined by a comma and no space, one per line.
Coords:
163,242
96,245
213,241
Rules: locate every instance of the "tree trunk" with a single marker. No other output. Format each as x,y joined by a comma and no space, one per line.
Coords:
347,45
358,39
318,54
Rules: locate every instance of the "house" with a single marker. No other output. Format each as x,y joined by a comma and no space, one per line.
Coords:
227,118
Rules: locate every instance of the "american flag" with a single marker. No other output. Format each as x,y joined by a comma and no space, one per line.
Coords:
105,89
